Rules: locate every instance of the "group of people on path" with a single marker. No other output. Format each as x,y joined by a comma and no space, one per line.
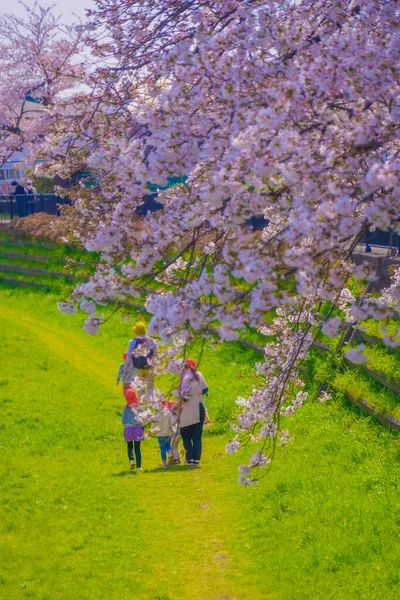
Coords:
175,420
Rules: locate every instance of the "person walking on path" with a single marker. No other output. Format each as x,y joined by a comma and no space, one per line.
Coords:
126,381
133,429
141,351
165,421
193,412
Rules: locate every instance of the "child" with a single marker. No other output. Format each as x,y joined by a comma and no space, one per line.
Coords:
165,422
142,350
126,380
176,436
133,429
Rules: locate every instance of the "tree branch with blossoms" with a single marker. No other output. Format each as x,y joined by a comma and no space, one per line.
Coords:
283,110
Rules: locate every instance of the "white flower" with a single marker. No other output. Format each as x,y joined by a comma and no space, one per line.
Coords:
289,410
92,324
300,398
246,481
259,460
359,312
268,430
244,469
285,437
67,307
324,396
209,248
233,446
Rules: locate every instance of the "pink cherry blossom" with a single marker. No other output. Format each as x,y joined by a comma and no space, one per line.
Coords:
391,341
67,307
330,327
355,355
233,446
88,306
92,324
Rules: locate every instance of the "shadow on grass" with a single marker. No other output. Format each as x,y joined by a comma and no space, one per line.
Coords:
124,474
171,468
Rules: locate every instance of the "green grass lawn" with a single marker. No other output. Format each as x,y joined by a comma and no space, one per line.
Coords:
76,524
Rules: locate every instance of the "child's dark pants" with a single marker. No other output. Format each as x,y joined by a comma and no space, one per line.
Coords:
138,454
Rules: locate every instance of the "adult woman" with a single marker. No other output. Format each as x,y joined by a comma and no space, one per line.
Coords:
193,412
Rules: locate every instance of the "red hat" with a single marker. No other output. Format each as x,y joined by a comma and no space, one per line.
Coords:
168,403
190,362
131,397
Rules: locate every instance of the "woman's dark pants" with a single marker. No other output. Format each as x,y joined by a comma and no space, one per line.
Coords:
191,437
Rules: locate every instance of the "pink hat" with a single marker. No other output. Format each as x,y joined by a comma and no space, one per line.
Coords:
131,397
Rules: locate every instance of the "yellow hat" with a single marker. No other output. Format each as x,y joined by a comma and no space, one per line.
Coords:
140,328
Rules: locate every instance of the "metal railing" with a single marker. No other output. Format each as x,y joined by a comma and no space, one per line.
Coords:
382,239
28,204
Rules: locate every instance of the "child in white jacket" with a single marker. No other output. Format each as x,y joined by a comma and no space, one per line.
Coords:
165,429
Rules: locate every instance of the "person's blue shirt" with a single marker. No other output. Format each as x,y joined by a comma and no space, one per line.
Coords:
128,418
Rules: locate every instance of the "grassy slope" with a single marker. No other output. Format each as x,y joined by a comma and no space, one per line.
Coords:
75,524
361,387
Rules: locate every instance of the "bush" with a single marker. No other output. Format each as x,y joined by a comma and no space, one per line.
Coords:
40,226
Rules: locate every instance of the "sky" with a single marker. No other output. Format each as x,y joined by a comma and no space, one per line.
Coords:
65,8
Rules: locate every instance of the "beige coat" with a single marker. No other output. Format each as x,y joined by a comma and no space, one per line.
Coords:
192,389
164,422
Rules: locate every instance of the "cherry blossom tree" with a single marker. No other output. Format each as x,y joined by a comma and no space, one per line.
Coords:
38,61
287,110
